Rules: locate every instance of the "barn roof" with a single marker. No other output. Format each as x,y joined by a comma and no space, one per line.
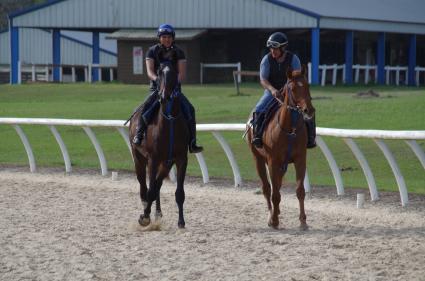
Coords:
151,34
365,15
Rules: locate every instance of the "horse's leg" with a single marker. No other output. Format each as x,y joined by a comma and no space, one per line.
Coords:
300,167
276,175
152,192
181,165
140,166
162,173
262,173
158,213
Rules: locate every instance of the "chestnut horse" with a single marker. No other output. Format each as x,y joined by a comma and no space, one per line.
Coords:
166,143
285,141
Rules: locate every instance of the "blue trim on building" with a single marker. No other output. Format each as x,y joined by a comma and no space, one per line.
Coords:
412,59
294,8
34,8
349,42
315,55
381,58
88,45
96,56
14,53
56,36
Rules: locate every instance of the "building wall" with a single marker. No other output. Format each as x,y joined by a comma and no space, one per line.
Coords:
35,46
125,60
115,14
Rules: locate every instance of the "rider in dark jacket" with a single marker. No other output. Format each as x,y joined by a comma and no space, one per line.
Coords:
273,68
166,37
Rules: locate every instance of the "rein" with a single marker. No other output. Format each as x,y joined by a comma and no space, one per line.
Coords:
295,112
167,115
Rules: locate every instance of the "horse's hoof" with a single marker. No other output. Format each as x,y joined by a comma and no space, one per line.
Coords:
144,221
158,215
274,225
303,226
181,224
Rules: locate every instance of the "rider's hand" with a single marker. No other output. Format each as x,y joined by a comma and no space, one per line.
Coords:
275,93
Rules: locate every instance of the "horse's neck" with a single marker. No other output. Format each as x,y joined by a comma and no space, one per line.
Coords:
167,114
283,113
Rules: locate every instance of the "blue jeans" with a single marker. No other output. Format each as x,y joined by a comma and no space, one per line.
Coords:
266,101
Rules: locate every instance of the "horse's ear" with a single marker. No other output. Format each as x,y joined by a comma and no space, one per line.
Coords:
289,73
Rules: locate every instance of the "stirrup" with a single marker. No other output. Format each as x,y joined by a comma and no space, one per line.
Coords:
138,139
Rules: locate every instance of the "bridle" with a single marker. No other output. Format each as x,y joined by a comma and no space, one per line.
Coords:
295,112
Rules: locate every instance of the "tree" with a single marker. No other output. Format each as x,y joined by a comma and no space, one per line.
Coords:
9,6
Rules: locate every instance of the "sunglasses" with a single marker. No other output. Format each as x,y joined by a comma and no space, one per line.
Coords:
274,44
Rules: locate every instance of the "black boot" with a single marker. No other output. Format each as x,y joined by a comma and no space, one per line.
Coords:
311,132
257,141
193,148
141,128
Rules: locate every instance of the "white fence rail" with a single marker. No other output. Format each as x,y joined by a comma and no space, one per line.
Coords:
370,73
219,65
42,72
378,136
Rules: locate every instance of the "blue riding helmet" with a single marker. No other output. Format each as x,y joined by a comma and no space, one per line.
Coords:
166,29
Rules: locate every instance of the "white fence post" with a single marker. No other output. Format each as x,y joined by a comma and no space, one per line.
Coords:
324,69
64,150
309,72
99,150
33,73
229,154
332,164
365,167
28,148
396,171
73,74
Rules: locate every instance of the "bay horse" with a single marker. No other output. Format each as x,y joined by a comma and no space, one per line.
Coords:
166,143
284,142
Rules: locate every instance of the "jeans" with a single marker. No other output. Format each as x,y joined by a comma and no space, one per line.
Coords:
266,101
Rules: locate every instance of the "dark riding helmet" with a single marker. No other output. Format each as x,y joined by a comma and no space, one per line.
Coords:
166,29
277,40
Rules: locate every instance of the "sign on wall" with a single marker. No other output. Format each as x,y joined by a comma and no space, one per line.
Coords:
137,60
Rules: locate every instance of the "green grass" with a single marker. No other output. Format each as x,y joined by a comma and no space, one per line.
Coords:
398,108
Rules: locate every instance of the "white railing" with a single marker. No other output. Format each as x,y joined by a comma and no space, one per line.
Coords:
219,65
367,69
41,72
378,137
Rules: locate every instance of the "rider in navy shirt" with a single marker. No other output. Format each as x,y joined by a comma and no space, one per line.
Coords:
273,68
154,58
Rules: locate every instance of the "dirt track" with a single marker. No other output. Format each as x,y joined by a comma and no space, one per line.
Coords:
83,227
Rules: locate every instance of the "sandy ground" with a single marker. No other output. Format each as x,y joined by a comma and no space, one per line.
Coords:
84,227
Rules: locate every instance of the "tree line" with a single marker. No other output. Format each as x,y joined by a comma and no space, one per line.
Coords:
9,6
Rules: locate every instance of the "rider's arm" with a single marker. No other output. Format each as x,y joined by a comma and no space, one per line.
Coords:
150,67
264,76
182,70
296,63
